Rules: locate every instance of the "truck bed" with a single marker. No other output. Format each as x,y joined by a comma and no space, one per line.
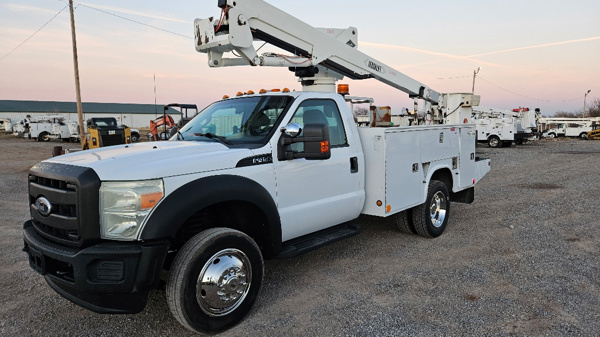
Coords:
399,162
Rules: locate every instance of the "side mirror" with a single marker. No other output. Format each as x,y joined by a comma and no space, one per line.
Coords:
292,130
315,140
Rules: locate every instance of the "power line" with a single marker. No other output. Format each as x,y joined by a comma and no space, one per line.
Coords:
134,21
37,31
512,92
452,78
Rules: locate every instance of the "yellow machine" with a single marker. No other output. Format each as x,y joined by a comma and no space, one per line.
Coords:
595,133
104,131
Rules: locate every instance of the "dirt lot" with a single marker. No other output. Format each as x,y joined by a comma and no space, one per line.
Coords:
523,259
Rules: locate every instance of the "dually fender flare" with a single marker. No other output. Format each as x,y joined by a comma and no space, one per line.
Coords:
433,169
196,195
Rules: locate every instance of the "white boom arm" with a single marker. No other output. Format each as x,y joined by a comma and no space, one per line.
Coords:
323,56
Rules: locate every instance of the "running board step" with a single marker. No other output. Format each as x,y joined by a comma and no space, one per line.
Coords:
318,239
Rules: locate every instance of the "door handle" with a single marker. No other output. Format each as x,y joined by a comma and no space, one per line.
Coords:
353,165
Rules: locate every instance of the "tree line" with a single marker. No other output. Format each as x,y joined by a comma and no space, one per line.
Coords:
592,109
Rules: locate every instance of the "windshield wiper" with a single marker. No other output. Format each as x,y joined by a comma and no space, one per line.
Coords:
180,135
215,137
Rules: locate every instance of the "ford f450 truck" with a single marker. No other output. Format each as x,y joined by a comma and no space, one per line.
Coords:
257,176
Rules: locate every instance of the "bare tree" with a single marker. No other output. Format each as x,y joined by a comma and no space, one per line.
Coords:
592,109
361,112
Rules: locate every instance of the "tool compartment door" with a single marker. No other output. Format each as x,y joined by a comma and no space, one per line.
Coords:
390,180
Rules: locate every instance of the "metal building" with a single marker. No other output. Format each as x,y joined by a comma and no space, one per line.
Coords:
132,115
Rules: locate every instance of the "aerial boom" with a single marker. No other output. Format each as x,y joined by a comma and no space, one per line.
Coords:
321,55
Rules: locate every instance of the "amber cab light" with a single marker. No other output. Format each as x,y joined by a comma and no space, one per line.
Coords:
262,91
343,89
250,92
286,90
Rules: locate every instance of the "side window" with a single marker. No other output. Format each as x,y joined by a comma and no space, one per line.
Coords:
322,111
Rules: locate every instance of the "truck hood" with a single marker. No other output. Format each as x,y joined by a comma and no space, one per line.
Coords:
155,159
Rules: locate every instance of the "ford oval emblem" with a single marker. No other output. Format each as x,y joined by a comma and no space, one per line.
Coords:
43,205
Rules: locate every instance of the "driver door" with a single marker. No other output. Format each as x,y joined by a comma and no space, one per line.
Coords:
317,194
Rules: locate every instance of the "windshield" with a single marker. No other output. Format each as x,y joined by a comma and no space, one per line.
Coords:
245,120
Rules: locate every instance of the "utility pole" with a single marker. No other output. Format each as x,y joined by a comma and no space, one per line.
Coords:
474,75
77,88
584,98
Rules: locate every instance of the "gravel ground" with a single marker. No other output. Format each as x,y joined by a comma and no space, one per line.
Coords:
522,260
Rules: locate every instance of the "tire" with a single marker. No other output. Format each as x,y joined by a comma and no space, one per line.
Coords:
404,222
135,137
43,137
552,135
431,218
232,259
583,136
494,142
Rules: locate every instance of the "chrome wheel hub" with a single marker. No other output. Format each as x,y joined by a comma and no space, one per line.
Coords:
224,282
437,209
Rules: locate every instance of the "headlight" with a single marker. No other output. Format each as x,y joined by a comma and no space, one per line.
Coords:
124,206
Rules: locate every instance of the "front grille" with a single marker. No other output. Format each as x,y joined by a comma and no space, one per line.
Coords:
72,192
70,235
48,182
116,139
58,208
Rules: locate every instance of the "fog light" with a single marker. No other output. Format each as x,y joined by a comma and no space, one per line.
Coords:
113,271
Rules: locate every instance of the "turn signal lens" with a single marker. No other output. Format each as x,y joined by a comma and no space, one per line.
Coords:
149,200
324,146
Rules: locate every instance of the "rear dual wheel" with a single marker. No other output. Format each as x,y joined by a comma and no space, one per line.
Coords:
494,142
430,218
43,137
214,280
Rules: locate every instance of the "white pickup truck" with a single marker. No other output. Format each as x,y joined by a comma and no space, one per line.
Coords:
267,175
252,177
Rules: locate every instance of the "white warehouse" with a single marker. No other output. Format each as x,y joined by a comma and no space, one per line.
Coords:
132,115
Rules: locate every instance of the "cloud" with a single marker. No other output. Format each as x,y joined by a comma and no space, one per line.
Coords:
29,9
536,46
427,52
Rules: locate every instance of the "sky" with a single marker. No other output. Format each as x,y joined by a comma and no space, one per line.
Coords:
532,53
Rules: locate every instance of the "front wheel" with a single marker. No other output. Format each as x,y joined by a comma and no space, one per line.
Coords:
214,280
583,136
430,219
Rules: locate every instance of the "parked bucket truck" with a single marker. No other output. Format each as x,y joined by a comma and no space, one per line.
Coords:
270,174
499,128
